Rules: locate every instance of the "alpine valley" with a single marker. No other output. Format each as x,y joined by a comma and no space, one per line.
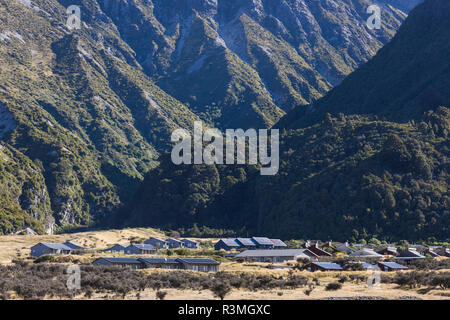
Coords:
86,115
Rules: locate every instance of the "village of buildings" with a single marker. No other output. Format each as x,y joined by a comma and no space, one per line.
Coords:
316,256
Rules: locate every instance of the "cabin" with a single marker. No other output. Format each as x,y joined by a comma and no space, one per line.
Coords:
44,248
410,254
227,245
246,243
263,243
391,266
365,253
131,263
345,248
161,263
276,256
364,265
120,248
314,247
157,243
190,244
74,246
389,251
324,266
140,249
174,243
278,244
432,253
202,265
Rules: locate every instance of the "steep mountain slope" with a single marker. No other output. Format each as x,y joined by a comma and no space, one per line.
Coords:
392,85
240,63
78,104
345,176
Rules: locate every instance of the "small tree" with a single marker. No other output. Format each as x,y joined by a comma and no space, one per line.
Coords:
220,290
161,294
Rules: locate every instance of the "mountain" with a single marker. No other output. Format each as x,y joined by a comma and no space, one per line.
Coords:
347,170
85,113
241,64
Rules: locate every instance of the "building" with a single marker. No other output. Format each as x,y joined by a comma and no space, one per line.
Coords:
389,251
44,248
263,243
276,255
365,253
431,252
391,266
246,243
314,247
190,244
140,249
157,243
345,248
364,265
116,248
278,244
410,254
324,266
132,263
174,243
161,263
74,246
202,265
227,245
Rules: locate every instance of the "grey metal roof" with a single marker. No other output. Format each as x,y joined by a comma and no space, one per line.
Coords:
142,246
160,260
274,253
73,245
198,261
328,265
121,260
393,265
278,243
56,246
156,239
190,241
365,253
368,265
173,240
246,242
262,241
230,242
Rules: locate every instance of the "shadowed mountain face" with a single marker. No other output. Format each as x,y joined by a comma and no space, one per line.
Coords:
370,159
85,113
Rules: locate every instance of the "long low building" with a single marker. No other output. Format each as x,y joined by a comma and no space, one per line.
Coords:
195,264
276,256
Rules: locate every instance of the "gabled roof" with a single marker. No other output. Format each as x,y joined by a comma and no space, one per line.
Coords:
246,242
411,253
73,245
304,253
198,261
230,242
365,253
190,241
120,260
278,243
55,246
393,265
344,247
328,265
173,240
159,260
118,246
263,241
156,239
142,246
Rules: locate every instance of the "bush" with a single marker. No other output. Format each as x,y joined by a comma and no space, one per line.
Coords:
333,286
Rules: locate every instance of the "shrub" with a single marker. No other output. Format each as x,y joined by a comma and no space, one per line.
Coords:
333,286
